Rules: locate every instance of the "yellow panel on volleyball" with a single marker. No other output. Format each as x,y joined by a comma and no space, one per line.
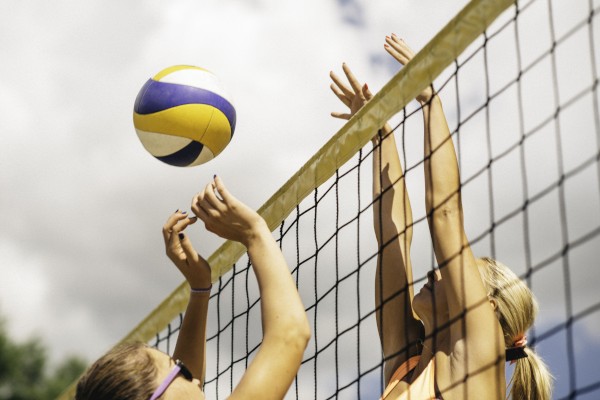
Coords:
200,122
218,134
175,68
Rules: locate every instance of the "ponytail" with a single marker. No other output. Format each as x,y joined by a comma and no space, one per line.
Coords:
531,378
516,309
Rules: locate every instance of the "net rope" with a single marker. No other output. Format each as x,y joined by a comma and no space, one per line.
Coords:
523,109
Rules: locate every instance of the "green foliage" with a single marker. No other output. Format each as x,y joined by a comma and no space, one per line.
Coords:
25,373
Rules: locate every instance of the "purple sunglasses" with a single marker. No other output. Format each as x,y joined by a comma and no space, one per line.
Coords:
179,368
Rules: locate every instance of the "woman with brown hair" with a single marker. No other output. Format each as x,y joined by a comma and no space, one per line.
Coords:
452,338
137,372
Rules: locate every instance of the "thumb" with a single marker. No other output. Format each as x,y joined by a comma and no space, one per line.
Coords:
367,92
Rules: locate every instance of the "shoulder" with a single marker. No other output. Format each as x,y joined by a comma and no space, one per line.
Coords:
470,371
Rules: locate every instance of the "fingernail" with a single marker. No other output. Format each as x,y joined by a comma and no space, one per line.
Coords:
184,212
177,210
181,236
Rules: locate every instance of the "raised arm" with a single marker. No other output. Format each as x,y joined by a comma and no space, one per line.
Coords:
392,220
285,327
191,342
476,338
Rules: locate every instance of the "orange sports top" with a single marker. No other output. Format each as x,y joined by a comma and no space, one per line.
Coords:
422,388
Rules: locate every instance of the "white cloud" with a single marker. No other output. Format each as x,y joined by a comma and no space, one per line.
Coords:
24,291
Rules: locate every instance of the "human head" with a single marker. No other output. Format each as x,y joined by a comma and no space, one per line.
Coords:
128,372
516,309
133,372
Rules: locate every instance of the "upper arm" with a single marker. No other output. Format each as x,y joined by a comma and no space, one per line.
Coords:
477,344
398,326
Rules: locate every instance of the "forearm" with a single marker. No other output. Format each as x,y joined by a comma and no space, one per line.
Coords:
445,213
392,214
285,326
282,309
191,343
442,179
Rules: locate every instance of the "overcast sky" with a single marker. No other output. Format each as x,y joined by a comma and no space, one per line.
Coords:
82,203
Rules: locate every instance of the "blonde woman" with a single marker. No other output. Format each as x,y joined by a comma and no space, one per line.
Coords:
451,339
137,372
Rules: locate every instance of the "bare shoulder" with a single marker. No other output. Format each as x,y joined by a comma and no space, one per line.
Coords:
471,371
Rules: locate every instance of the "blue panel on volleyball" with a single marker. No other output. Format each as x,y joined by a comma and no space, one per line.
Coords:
158,96
185,156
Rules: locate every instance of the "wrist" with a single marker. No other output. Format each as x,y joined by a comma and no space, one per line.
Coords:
200,283
257,235
426,98
204,289
257,231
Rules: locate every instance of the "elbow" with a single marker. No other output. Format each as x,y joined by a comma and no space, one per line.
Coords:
446,212
300,335
396,227
292,334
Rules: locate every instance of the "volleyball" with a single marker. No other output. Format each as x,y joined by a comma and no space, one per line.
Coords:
183,116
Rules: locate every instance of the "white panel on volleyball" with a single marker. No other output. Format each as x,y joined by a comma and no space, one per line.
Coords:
205,155
201,79
160,144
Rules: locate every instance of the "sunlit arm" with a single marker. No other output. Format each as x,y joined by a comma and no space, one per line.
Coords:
476,340
392,221
191,343
285,326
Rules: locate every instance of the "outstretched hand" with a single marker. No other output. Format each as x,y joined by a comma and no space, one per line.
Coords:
398,49
225,215
354,96
181,251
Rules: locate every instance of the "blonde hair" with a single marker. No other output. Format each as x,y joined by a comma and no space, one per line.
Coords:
128,372
516,308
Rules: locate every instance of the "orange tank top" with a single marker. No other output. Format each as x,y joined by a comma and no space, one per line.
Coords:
422,388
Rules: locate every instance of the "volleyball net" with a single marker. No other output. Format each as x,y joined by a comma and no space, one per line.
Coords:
519,83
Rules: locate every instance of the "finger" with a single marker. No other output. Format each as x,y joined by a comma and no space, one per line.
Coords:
188,249
398,49
171,222
205,204
340,95
352,79
367,92
341,115
202,214
182,224
176,229
348,92
201,208
401,46
402,49
195,206
211,198
394,53
227,197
